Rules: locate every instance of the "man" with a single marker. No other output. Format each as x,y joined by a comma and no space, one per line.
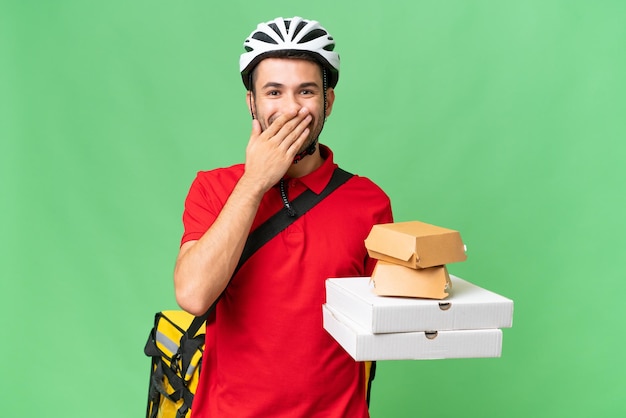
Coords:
267,354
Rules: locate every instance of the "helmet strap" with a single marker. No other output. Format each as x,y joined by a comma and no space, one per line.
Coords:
251,93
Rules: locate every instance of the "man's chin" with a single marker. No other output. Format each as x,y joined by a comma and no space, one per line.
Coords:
309,143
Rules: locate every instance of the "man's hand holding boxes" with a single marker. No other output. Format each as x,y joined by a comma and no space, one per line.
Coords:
411,308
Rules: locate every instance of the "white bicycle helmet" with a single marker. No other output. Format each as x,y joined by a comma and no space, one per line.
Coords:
295,34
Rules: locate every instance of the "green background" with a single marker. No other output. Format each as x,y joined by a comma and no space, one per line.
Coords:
502,119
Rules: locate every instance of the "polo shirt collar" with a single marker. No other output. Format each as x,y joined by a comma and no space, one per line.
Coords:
318,179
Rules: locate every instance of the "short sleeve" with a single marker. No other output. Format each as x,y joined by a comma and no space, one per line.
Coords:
199,213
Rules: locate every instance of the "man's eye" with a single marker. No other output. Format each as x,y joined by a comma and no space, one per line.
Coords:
273,93
306,92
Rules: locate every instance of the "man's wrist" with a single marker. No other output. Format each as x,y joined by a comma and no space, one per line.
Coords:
252,186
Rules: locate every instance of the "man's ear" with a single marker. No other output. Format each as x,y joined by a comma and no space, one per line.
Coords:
330,99
250,103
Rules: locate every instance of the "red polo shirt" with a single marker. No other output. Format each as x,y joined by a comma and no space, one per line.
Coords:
268,354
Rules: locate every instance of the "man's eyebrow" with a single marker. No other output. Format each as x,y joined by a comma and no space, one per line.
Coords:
274,84
309,84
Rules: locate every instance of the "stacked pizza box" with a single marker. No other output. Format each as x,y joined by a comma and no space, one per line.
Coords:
411,307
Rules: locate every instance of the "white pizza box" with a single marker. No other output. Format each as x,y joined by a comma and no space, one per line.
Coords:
468,307
365,346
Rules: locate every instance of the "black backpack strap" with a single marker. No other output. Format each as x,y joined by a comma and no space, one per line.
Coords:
272,227
281,220
372,375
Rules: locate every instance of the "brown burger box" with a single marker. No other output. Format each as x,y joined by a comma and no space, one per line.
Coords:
394,280
415,244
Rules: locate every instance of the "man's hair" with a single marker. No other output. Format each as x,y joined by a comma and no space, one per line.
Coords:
288,54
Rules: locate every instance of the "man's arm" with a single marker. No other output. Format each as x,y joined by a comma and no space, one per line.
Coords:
204,267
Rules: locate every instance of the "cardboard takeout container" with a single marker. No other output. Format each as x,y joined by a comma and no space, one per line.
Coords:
469,306
395,280
415,244
365,346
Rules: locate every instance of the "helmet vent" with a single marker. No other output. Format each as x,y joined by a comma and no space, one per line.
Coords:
260,36
314,34
275,28
300,26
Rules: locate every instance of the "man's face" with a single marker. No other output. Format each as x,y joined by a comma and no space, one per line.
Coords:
283,84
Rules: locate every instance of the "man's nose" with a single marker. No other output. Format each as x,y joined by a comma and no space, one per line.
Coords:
292,102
